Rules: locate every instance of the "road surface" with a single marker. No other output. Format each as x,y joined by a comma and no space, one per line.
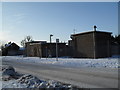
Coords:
81,77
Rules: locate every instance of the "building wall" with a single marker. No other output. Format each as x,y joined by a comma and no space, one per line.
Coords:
12,53
27,49
103,45
92,45
83,45
70,48
10,50
45,49
33,50
115,49
49,49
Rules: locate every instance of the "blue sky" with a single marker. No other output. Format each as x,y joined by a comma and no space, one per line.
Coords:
40,19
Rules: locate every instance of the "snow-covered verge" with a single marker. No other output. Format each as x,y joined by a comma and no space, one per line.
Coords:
12,79
70,62
33,82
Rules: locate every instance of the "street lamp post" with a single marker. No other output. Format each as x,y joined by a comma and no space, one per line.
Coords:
50,38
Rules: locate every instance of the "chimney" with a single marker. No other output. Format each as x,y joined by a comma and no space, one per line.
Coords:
95,28
50,38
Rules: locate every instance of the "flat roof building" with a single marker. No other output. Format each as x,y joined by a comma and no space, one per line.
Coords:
92,44
44,49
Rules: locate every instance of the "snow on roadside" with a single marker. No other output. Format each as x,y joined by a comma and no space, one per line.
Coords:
9,80
33,82
12,84
70,62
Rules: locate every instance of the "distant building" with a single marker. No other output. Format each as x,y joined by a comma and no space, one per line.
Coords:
92,44
115,48
44,49
10,49
33,48
21,51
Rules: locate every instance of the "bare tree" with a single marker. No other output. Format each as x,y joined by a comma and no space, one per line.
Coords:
2,44
23,43
26,39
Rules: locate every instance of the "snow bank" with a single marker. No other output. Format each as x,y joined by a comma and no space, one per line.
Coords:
27,81
33,84
8,72
69,62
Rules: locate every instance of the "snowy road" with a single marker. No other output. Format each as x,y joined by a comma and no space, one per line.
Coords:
83,77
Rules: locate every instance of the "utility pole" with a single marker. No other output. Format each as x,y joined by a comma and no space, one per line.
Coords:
50,38
57,41
46,52
94,41
40,53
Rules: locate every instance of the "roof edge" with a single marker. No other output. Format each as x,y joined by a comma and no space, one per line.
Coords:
90,32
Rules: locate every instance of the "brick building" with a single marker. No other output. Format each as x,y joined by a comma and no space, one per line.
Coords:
92,44
44,49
